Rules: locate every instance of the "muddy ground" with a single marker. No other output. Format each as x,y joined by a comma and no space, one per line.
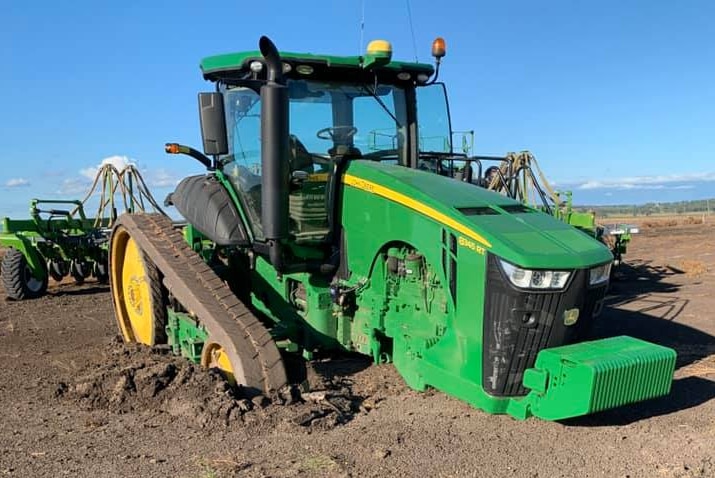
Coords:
74,401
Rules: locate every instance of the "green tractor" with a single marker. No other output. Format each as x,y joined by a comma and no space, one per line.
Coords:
314,230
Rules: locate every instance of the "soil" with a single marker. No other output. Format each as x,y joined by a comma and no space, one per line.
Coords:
76,401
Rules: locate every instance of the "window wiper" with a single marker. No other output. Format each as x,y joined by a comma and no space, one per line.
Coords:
381,103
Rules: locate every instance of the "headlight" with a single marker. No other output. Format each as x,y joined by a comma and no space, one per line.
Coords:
599,274
534,279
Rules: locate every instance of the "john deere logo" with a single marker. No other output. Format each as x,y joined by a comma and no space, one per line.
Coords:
570,316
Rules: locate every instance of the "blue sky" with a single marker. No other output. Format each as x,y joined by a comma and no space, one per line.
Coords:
616,99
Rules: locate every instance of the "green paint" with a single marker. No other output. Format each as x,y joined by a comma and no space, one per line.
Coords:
590,377
300,304
185,336
532,240
213,66
199,243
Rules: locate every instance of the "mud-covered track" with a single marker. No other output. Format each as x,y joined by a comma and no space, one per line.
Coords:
254,355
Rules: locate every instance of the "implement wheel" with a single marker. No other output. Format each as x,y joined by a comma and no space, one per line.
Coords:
137,292
100,269
17,277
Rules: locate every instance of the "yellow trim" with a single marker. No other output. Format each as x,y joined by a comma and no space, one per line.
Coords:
399,198
318,178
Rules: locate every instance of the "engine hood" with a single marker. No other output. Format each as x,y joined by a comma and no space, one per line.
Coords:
502,226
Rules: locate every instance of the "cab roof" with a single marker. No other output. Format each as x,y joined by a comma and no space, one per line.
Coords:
229,65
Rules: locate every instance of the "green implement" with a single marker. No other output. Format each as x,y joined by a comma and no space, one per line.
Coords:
59,240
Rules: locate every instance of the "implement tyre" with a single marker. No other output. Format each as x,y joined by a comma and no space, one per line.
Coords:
17,277
137,292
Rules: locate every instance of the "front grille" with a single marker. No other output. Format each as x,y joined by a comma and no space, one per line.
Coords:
518,324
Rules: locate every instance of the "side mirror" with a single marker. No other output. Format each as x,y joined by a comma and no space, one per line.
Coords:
213,124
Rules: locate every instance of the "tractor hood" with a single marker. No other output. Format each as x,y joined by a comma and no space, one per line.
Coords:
502,226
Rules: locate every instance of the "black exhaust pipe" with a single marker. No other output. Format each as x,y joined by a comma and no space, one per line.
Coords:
275,150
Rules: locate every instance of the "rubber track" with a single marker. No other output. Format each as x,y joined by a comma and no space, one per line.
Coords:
159,300
197,288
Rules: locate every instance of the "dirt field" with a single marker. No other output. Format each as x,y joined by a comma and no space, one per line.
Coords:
74,401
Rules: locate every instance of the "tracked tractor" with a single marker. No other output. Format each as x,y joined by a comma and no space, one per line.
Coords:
313,229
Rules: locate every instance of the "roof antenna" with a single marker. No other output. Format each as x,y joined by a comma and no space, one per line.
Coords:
412,30
362,28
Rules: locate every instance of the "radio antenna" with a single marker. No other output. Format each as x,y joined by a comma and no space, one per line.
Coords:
362,27
412,29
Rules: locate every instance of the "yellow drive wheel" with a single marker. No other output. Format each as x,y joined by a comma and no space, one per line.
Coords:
213,355
137,292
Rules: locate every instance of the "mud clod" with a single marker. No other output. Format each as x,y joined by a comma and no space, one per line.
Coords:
129,378
133,379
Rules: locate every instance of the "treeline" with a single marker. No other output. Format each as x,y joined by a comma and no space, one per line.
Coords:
700,206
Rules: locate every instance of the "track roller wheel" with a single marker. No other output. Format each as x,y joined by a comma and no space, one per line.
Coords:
213,355
243,361
17,277
137,292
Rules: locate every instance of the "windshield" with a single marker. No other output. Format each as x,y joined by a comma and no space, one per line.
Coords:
368,121
365,121
329,120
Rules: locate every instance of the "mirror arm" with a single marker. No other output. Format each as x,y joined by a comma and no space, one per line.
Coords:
176,148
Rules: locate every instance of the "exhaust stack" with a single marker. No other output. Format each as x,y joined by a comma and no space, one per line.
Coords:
274,153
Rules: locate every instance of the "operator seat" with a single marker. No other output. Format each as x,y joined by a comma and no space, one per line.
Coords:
307,203
300,159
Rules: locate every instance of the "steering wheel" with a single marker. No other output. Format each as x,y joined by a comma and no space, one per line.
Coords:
331,132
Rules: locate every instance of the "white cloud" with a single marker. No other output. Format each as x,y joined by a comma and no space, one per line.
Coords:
615,185
79,185
119,162
74,186
649,182
160,178
17,183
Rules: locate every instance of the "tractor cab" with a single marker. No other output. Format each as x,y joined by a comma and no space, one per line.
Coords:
330,121
282,128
